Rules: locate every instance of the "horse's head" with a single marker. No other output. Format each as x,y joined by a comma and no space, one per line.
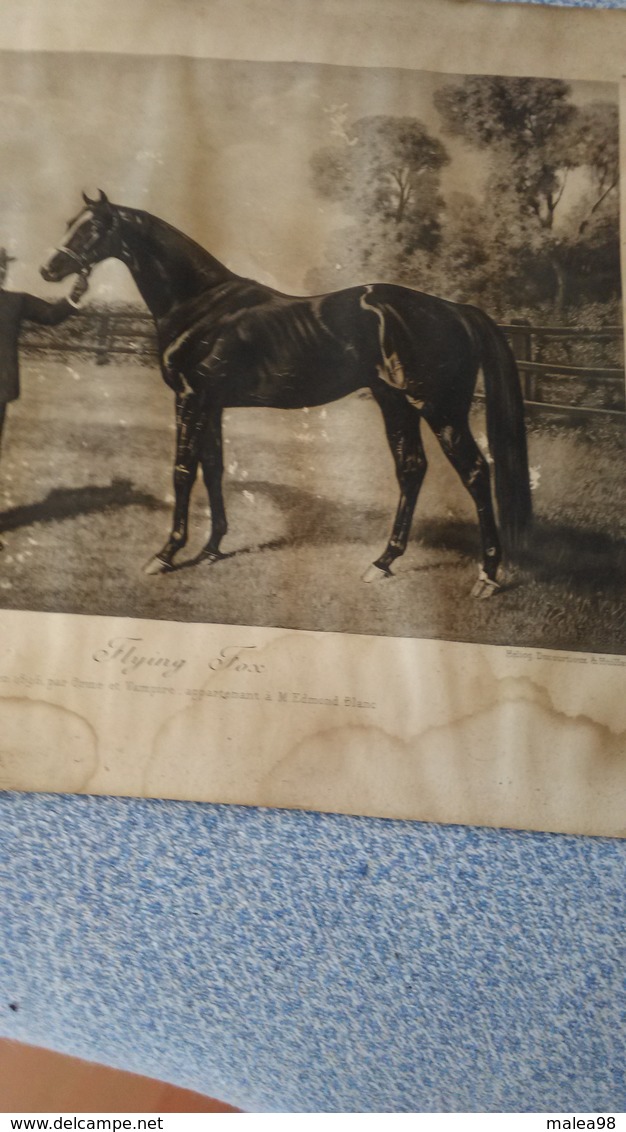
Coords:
90,238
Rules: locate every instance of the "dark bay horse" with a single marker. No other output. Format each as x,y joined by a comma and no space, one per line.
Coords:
225,341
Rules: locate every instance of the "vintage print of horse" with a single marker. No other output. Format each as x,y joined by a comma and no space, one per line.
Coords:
225,341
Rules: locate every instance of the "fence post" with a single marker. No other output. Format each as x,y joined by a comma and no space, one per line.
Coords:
103,340
522,346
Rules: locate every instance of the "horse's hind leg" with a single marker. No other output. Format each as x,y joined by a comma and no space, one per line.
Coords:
190,423
212,460
402,424
465,456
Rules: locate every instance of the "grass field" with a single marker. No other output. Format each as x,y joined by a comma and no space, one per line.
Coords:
86,498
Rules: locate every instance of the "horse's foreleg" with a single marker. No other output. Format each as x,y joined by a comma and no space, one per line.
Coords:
465,456
403,433
212,460
189,426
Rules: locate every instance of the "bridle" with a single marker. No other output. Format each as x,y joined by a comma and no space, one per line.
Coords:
81,259
84,267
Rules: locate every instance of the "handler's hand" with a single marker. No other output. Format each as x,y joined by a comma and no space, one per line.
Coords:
79,288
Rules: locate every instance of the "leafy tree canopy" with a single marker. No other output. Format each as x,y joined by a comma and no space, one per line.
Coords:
542,225
388,168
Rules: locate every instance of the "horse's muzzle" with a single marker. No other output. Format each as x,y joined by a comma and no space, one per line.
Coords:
57,266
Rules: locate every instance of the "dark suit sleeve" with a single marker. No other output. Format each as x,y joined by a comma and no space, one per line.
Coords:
47,314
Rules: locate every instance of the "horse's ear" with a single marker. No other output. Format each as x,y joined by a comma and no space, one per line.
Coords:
101,199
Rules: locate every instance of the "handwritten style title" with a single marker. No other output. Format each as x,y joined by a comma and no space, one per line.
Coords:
129,654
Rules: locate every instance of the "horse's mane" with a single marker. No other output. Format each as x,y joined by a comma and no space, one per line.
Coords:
173,240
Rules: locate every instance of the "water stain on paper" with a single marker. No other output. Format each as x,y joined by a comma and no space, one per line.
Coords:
508,755
44,747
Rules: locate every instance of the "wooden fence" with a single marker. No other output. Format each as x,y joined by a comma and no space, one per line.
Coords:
559,388
596,390
102,334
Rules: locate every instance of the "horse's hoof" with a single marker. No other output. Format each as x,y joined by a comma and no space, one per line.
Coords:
485,587
211,556
157,565
375,574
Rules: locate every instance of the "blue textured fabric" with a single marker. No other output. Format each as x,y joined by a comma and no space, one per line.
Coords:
302,962
573,3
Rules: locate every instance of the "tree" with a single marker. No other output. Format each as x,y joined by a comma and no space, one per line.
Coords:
462,262
386,175
595,139
524,124
535,136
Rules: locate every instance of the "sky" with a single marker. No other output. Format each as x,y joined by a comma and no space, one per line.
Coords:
221,150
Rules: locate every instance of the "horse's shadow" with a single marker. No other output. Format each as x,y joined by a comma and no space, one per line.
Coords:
71,502
306,520
582,558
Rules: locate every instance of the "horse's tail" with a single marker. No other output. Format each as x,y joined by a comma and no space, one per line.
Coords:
506,433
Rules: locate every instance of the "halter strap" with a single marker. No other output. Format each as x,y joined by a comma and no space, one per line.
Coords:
72,255
82,259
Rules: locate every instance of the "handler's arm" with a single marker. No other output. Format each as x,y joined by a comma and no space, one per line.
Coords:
50,314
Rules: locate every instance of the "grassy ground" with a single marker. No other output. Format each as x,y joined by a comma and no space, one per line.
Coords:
85,500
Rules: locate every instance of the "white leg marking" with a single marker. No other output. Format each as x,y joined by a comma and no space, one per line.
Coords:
375,574
485,587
